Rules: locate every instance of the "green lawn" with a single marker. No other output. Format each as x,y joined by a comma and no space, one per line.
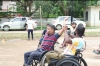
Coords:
93,27
37,35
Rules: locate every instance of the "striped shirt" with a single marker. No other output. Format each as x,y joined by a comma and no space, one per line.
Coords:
49,41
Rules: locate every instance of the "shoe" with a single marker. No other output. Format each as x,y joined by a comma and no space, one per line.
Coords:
28,39
27,65
33,39
96,52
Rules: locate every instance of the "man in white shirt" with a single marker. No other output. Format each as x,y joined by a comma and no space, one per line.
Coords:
30,28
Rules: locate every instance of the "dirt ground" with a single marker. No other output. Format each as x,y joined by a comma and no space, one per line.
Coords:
11,52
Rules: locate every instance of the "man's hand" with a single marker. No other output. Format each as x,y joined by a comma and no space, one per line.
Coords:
64,23
63,28
66,19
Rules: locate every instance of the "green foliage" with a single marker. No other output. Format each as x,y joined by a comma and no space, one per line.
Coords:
22,6
3,14
55,8
39,28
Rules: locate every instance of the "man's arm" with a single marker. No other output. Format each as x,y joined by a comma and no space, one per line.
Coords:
66,36
33,26
26,26
62,30
43,33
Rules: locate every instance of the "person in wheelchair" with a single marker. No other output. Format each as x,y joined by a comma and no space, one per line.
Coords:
47,44
73,44
42,36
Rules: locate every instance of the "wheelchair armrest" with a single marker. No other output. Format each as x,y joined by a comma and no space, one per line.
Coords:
67,55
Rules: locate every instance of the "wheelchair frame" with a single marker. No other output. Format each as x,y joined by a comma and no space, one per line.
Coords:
78,58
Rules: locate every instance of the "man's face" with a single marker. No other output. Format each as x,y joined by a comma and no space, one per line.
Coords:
74,25
30,18
50,30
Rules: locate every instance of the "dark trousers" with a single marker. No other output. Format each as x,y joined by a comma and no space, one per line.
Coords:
29,56
30,31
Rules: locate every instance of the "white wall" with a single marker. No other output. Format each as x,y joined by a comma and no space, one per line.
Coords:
88,22
95,16
7,3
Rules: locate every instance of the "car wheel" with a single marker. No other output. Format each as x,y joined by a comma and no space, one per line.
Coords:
6,28
58,27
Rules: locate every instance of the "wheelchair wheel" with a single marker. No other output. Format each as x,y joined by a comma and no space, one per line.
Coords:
82,62
68,62
43,61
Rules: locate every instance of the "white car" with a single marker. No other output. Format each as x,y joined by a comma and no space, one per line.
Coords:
58,22
16,23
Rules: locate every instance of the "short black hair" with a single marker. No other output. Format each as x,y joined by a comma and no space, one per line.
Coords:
80,30
47,24
52,26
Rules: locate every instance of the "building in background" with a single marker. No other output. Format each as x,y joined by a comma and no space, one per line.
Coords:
92,15
8,5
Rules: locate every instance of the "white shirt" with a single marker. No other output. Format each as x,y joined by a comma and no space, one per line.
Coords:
30,24
77,43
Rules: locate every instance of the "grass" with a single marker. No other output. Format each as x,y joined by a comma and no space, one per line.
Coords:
37,35
39,28
92,34
93,27
17,36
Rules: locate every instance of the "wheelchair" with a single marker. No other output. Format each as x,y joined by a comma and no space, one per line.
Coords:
70,60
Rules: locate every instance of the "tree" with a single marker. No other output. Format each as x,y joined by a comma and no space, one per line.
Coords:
25,7
53,8
46,7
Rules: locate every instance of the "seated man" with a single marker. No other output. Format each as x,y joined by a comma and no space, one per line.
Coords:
73,44
47,44
42,36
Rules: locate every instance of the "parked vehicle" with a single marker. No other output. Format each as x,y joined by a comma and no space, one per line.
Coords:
16,23
58,22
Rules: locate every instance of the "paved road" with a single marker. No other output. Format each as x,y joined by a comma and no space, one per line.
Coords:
39,31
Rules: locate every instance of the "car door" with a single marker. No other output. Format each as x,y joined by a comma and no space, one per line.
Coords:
16,23
22,23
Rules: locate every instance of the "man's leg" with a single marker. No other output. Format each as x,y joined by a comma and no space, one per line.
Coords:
26,56
32,34
33,55
28,34
51,55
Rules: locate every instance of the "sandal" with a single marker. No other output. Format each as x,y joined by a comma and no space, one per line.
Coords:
96,52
